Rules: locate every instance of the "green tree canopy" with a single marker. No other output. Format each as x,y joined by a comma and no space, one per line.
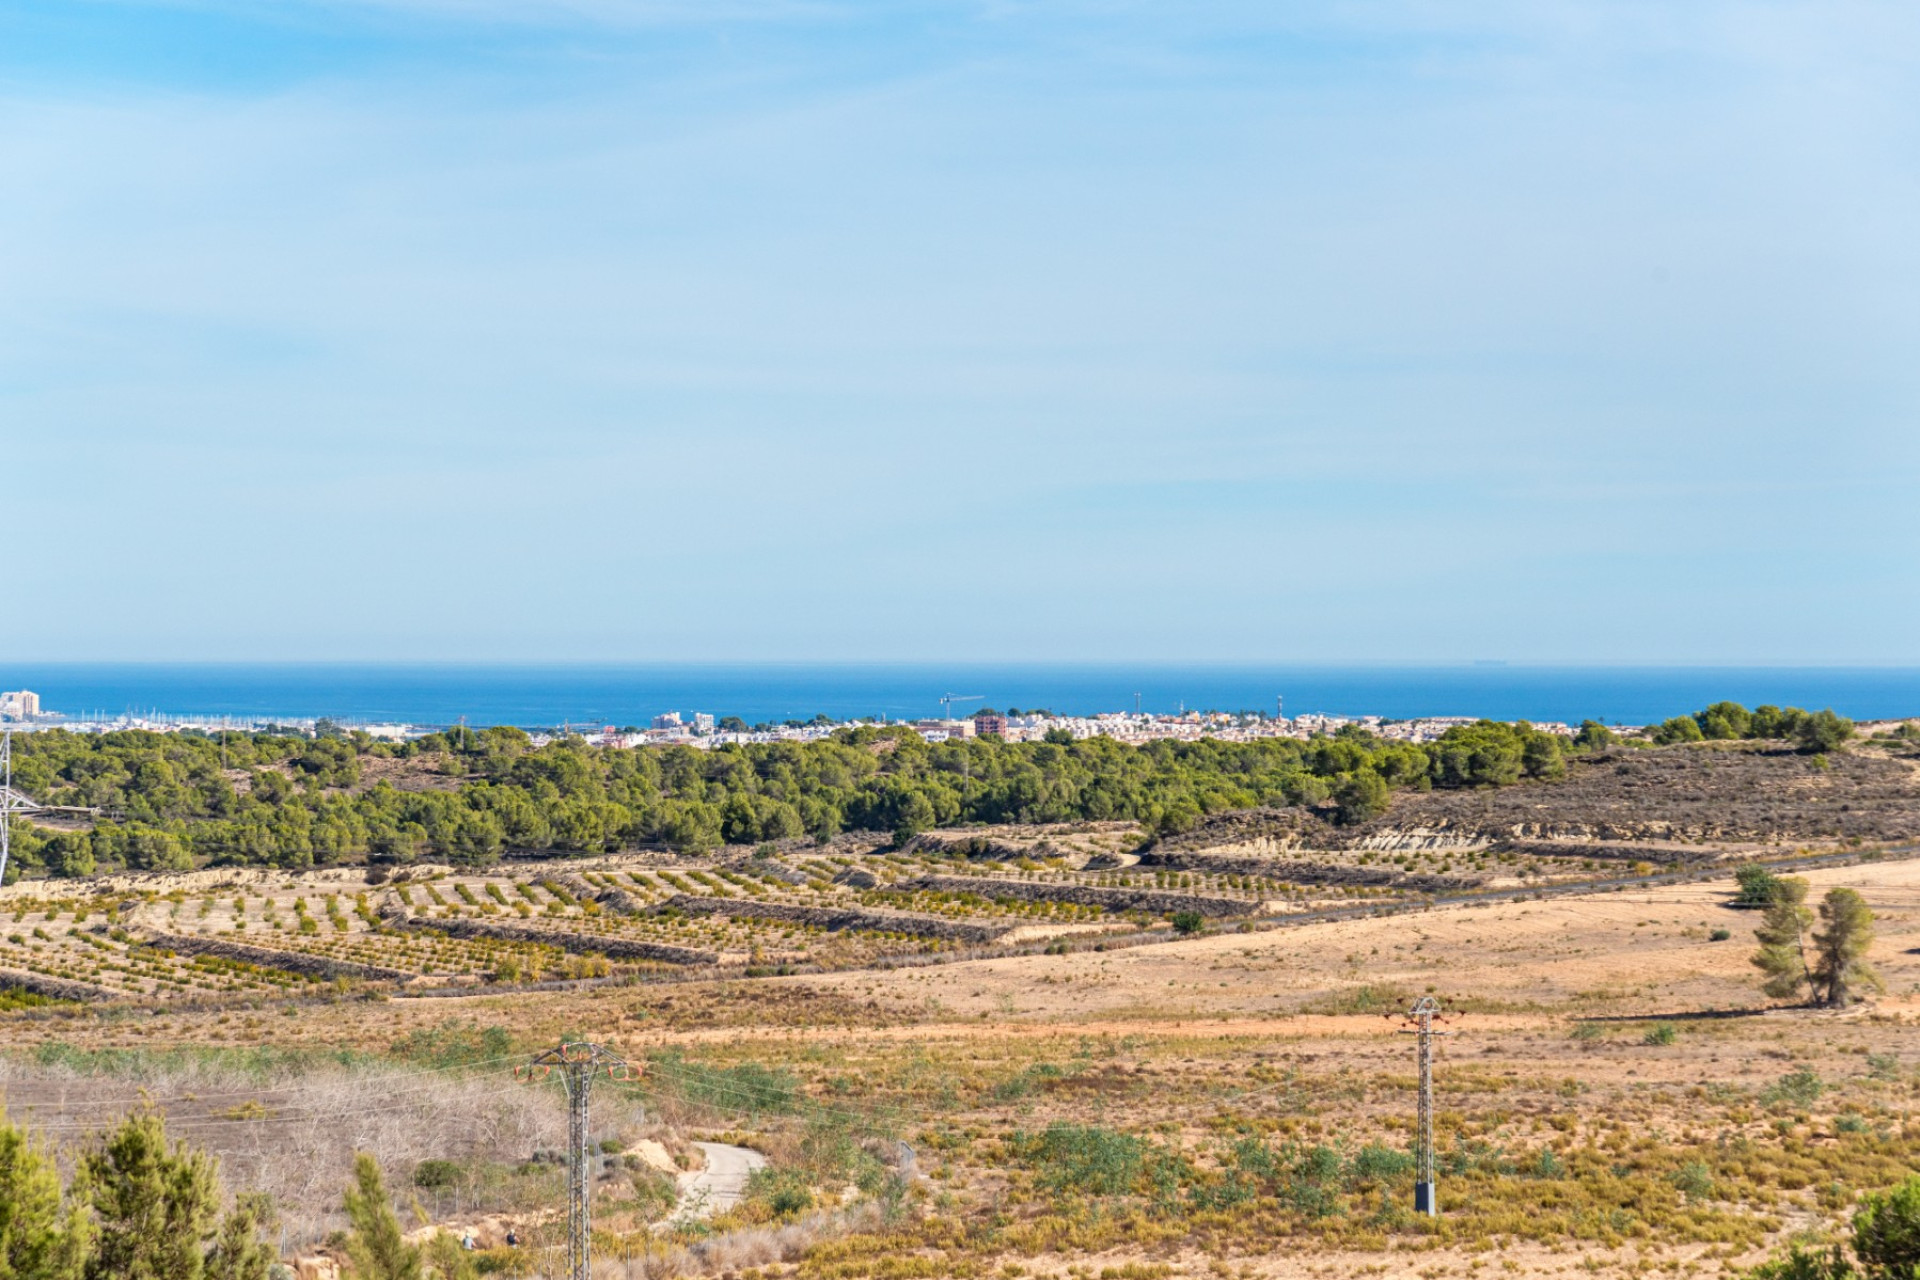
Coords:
1783,939
374,1241
1757,885
157,1209
43,1234
1840,970
1362,794
1822,731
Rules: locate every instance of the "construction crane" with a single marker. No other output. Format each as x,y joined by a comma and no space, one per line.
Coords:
947,701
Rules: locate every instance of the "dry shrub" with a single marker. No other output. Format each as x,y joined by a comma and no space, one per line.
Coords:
291,1129
651,1258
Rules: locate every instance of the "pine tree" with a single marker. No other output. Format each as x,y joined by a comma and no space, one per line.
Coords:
157,1205
1840,948
40,1238
374,1244
1782,936
239,1253
448,1260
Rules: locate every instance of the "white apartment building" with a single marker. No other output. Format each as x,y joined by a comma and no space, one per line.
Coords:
22,704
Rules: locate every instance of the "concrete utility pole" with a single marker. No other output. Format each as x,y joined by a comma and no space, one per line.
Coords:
1422,1015
578,1063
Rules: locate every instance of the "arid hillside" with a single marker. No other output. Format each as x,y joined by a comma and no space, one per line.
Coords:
1087,1092
1698,801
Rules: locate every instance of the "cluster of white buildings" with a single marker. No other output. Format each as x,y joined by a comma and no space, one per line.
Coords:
699,729
1193,725
1122,726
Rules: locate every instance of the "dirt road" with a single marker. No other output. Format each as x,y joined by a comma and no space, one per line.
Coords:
721,1185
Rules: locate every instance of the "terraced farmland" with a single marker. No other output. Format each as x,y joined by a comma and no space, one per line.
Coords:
640,917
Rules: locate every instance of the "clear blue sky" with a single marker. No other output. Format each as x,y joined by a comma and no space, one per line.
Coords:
800,329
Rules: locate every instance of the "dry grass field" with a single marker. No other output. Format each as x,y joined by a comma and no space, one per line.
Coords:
1575,1133
1088,1096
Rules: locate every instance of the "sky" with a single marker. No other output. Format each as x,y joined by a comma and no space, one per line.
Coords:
619,330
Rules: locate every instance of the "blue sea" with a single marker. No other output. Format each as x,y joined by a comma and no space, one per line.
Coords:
594,695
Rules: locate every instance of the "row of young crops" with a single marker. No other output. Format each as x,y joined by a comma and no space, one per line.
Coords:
822,907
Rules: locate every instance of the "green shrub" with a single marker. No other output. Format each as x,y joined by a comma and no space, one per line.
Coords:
1885,1240
1800,1088
1024,1083
785,1192
1886,1233
436,1173
655,1193
1367,999
748,1087
1757,886
1694,1179
1087,1158
1379,1163
1806,1262
1660,1033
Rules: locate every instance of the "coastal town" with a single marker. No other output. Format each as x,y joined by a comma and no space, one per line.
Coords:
22,710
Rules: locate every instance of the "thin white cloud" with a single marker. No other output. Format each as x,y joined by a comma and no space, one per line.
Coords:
1392,324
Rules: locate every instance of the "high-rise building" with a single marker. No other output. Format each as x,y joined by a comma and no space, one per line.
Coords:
22,704
671,720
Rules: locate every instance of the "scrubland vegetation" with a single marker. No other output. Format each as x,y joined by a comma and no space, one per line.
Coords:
1036,1051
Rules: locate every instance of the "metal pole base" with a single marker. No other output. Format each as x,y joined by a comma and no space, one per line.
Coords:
1423,1200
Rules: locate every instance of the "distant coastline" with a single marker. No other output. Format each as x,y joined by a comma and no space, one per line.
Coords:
533,696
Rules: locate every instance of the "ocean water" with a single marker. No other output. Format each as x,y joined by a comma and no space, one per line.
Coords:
594,695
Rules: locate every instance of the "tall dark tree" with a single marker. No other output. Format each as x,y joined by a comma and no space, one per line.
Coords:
374,1241
1783,939
1822,731
1361,795
1840,971
157,1209
43,1235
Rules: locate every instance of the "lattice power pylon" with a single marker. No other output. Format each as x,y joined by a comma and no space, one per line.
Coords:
578,1062
11,801
1422,1015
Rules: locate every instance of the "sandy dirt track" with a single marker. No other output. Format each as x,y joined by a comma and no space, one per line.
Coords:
721,1184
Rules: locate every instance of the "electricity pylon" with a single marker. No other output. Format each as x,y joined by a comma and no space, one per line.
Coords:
578,1063
8,807
11,801
1422,1015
